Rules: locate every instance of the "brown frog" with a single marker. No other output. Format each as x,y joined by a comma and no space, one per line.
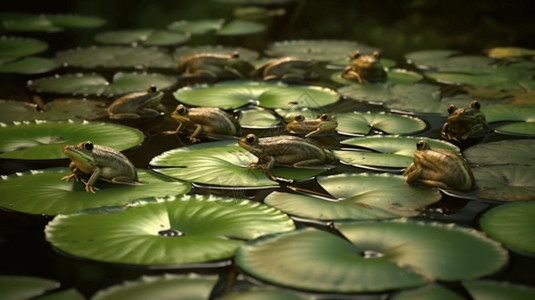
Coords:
214,65
301,124
287,68
440,168
364,68
464,122
137,105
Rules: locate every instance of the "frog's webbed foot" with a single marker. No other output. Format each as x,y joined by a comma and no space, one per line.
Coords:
72,175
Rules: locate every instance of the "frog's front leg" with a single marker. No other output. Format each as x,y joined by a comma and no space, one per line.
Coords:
198,129
412,172
176,131
89,185
353,75
74,173
314,132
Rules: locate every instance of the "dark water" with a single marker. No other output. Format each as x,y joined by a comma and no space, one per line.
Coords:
395,27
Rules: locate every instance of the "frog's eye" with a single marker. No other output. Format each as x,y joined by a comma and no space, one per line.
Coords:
181,110
299,118
355,55
421,145
324,117
152,89
88,146
251,139
235,55
475,104
451,108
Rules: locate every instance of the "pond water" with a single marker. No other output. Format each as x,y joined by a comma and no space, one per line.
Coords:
394,30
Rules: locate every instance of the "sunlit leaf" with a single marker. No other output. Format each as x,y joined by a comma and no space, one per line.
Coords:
258,118
361,123
510,52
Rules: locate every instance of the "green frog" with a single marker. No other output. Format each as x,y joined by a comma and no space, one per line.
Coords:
100,162
364,68
440,168
203,119
138,104
214,65
301,124
463,122
284,150
287,68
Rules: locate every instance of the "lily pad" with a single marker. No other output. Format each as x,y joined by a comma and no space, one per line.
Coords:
377,196
29,65
184,229
50,22
361,123
245,54
495,290
221,163
116,57
427,59
94,84
429,291
258,118
196,26
510,52
377,256
43,192
59,109
495,77
389,151
394,76
447,60
505,183
147,37
241,27
44,140
234,94
512,224
508,112
167,286
14,47
506,152
264,294
319,50
24,287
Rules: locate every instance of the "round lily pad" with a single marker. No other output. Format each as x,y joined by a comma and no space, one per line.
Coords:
13,47
258,293
116,57
184,229
320,50
148,37
447,60
44,140
361,123
258,118
167,286
241,27
496,77
495,290
222,163
506,182
426,59
509,112
377,256
429,291
234,94
76,21
245,54
394,76
24,287
506,152
377,196
196,26
512,224
510,52
56,110
94,84
389,151
50,22
29,65
43,191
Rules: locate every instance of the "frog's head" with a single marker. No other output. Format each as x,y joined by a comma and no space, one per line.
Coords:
251,143
81,154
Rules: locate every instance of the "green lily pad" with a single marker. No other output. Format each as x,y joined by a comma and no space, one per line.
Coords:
506,182
427,59
50,22
76,21
258,118
361,123
512,224
495,290
68,294
525,114
519,129
94,84
506,152
390,151
44,140
24,287
184,229
116,57
43,192
245,54
264,294
13,47
29,65
234,94
496,77
319,50
447,60
222,163
167,286
377,196
56,110
510,52
196,26
147,37
241,27
429,291
377,256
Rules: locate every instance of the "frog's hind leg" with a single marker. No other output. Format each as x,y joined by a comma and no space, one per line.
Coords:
126,180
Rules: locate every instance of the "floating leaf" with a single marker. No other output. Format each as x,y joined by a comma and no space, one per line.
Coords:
50,23
429,291
179,230
221,163
234,94
59,109
148,37
510,152
197,26
258,118
13,47
241,27
376,196
29,65
167,286
427,59
320,50
394,76
24,287
116,57
76,21
390,151
43,192
510,52
505,183
245,54
264,294
496,77
86,84
510,112
44,140
494,290
361,123
512,224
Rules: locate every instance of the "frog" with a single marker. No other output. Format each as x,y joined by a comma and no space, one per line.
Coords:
100,162
464,122
286,150
301,124
287,68
137,105
365,68
214,65
203,119
441,168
